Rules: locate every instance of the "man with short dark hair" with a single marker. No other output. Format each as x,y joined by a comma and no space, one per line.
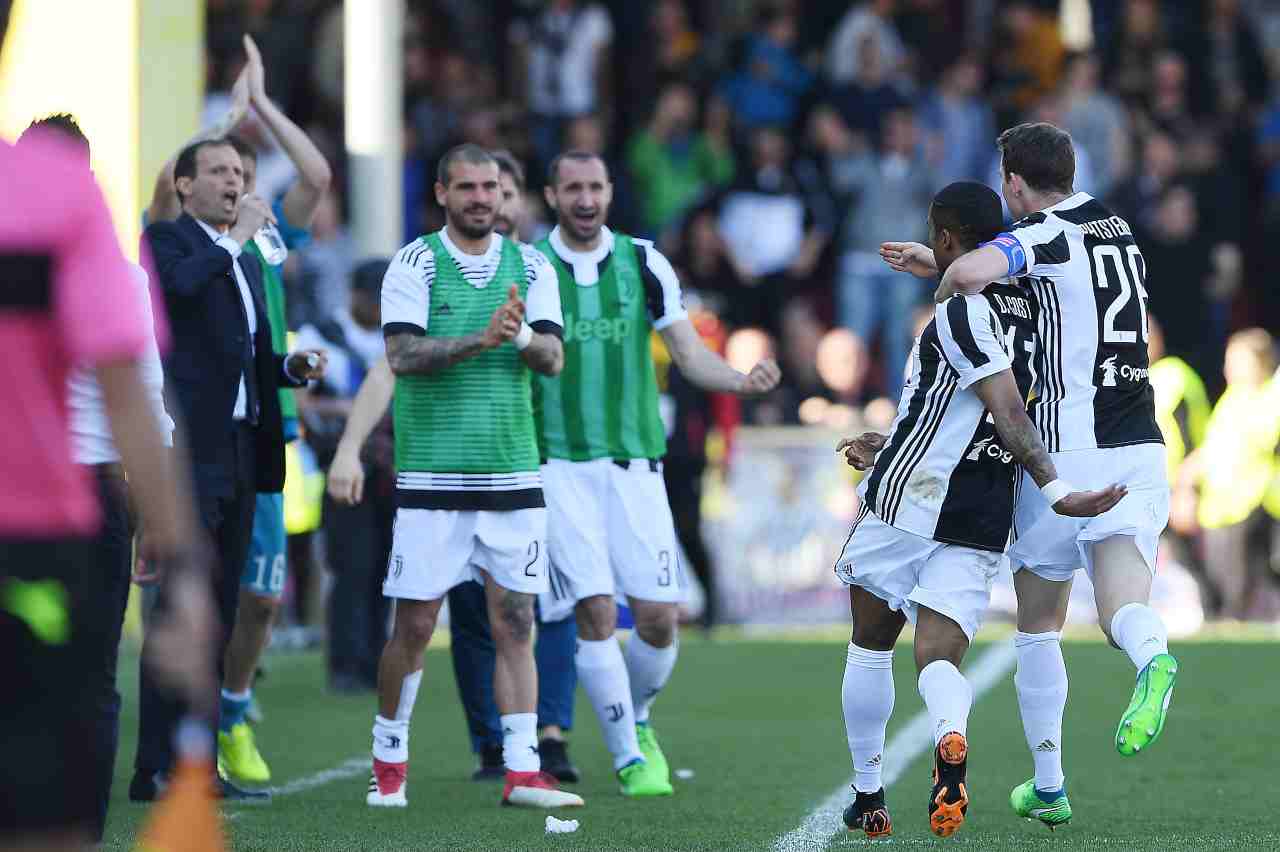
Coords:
468,489
1095,412
224,375
602,440
936,514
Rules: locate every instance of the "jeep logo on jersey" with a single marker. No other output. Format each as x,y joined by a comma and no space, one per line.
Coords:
990,450
1130,374
605,330
626,285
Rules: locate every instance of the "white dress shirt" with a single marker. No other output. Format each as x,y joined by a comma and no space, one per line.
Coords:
91,441
235,250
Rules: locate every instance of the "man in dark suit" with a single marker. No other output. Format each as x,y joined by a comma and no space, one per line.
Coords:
223,375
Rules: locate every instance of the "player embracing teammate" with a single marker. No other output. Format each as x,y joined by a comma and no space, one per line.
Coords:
1094,411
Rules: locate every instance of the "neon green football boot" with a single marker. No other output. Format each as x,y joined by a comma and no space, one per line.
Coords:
1141,724
652,751
1030,803
238,755
641,779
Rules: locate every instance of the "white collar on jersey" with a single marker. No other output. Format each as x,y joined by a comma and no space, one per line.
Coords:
472,260
1070,202
573,258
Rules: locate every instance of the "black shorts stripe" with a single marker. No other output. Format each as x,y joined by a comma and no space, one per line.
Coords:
470,501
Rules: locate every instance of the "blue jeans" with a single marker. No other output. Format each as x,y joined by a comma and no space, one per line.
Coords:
875,302
473,661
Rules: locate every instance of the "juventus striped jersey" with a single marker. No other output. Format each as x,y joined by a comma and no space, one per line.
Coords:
942,473
1082,265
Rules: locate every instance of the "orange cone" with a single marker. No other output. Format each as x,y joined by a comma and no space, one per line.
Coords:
186,819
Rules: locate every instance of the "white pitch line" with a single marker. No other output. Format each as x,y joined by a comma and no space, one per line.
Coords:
347,769
912,740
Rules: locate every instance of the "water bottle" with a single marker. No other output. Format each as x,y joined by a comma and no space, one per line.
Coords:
271,244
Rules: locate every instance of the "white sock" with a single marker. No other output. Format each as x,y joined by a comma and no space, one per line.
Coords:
649,669
603,674
949,697
390,739
867,695
408,695
520,742
1140,633
1041,681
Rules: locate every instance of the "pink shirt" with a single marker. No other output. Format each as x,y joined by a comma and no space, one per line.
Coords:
66,297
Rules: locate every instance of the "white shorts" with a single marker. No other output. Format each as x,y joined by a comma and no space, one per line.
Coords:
609,532
1053,546
433,550
907,571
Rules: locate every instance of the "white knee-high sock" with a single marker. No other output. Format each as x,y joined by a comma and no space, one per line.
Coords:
1140,633
649,669
520,742
949,697
391,736
603,674
867,695
1041,682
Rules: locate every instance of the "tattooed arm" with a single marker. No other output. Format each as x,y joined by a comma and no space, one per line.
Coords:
1018,435
417,354
544,354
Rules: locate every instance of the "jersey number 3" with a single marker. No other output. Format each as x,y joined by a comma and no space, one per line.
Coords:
1101,271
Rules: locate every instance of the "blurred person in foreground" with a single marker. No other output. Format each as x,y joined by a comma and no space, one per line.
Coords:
95,450
610,531
472,647
469,496
70,300
265,569
1227,478
224,374
962,432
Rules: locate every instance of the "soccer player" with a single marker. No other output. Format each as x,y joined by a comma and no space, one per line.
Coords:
472,646
602,441
263,578
936,512
454,308
1096,415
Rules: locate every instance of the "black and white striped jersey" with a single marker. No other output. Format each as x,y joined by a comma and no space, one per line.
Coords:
942,473
1086,272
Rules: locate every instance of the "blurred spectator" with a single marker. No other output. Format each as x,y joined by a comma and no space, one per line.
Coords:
1135,198
358,537
893,189
1231,473
772,82
672,51
1222,48
863,101
866,24
318,273
1179,270
672,162
1168,105
1096,121
959,122
772,236
565,53
1027,60
1129,57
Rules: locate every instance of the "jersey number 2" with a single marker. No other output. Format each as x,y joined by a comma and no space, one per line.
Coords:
1111,334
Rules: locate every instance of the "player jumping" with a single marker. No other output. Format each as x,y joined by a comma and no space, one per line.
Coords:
610,530
1096,414
936,513
469,494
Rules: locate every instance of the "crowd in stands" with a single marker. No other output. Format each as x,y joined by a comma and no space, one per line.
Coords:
769,146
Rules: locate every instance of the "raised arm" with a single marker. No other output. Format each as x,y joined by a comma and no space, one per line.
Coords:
346,473
165,206
314,174
708,371
972,271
